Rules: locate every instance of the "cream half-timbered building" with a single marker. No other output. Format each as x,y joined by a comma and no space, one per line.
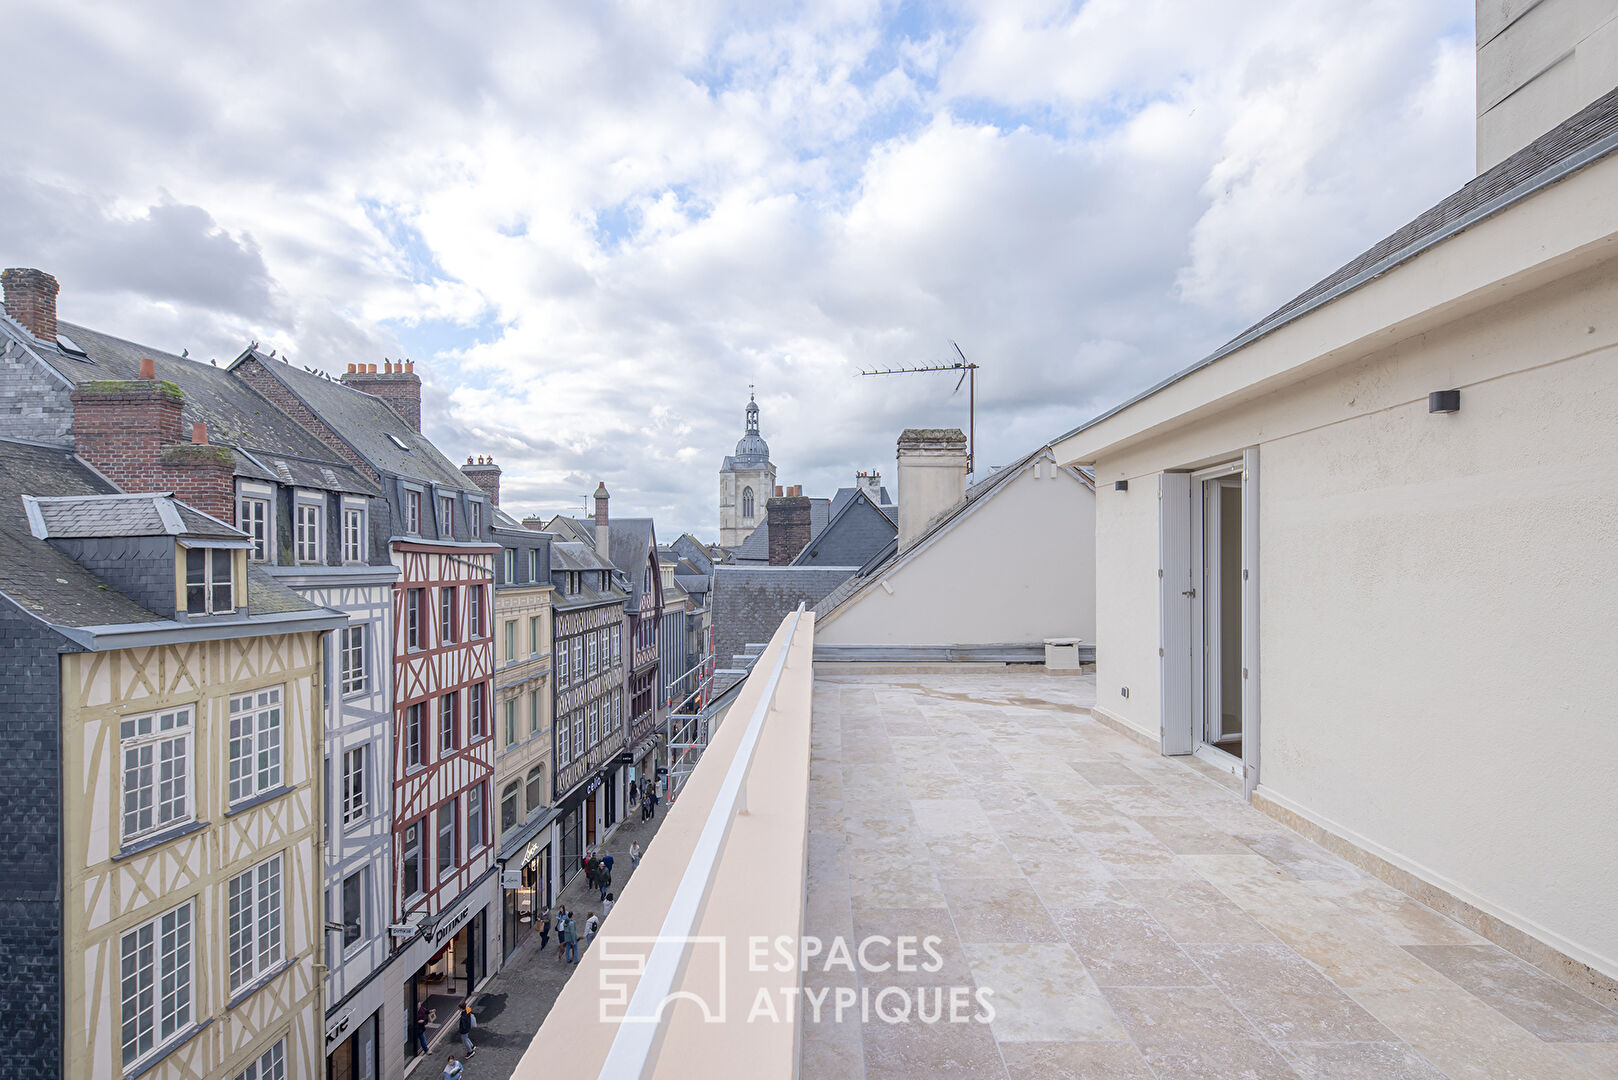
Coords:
244,981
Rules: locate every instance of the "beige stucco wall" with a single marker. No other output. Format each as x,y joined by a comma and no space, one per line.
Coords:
1436,611
1538,63
518,678
1020,567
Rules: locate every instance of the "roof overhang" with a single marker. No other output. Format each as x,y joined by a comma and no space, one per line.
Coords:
172,632
1498,252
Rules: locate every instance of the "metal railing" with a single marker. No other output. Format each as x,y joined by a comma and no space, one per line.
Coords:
637,1032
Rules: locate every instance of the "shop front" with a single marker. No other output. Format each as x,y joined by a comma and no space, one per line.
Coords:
525,881
640,764
449,959
583,816
351,1048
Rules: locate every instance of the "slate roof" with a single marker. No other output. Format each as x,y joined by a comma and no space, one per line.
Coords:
577,555
695,550
1588,136
34,576
237,415
756,548
749,602
854,534
883,499
367,424
108,515
629,540
890,554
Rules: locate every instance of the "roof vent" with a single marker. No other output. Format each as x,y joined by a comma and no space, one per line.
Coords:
283,470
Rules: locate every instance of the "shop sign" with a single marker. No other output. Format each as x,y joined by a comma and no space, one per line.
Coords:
594,783
531,852
511,879
447,927
335,1032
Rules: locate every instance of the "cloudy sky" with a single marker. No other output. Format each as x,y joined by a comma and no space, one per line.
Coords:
593,226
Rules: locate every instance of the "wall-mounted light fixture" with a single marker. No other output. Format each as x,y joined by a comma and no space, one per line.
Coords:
1120,485
1444,401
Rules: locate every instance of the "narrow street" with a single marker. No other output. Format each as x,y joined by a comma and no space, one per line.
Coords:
514,1003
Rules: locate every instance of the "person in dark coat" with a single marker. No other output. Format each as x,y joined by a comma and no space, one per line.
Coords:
467,1023
544,930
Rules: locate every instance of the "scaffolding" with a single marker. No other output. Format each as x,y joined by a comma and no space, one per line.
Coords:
686,733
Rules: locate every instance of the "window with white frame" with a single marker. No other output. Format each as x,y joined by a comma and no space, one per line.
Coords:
448,737
413,734
446,838
255,743
413,616
155,983
446,517
446,614
210,581
474,818
353,908
564,745
351,640
534,712
578,733
476,509
511,722
593,653
511,566
254,914
592,729
308,533
475,696
270,1065
578,657
617,644
253,517
508,807
353,534
533,565
561,665
536,788
534,635
618,711
474,610
410,879
157,771
511,640
354,786
412,512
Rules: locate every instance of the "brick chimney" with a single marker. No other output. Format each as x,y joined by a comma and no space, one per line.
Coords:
486,475
601,520
534,524
397,384
31,300
132,431
932,477
789,526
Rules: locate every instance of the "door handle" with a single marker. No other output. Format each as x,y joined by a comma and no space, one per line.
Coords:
1191,592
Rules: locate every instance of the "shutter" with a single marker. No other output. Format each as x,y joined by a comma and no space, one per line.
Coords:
1250,730
1174,612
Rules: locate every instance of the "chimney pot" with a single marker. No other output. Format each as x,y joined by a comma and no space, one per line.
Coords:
199,433
410,365
30,298
148,370
351,368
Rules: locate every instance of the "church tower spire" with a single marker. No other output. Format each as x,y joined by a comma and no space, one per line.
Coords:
746,481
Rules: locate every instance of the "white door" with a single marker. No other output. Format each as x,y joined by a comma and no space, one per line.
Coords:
1175,594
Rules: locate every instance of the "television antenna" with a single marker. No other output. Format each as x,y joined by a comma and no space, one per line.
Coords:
968,372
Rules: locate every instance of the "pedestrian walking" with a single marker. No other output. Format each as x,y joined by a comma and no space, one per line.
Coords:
572,941
424,1016
634,854
606,906
468,1024
603,883
592,925
544,930
561,933
452,1069
606,861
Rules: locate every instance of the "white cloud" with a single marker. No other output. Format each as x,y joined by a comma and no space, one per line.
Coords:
592,227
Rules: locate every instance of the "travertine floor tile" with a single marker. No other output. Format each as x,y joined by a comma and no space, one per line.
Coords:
1187,1033
1390,1060
1527,995
998,909
1193,910
1121,945
1041,993
1464,1037
1075,1061
1283,996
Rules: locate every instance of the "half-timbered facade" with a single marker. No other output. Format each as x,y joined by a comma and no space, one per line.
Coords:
443,897
587,612
171,781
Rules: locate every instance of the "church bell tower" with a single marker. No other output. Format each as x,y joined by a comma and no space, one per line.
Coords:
746,482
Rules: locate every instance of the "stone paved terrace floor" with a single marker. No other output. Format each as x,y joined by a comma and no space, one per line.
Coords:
1134,918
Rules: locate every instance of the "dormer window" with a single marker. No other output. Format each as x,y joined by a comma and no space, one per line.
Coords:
446,517
477,519
308,534
209,581
412,509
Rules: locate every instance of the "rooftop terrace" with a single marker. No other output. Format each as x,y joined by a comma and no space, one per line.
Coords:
989,883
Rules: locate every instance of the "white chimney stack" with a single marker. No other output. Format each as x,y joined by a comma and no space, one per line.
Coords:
932,477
